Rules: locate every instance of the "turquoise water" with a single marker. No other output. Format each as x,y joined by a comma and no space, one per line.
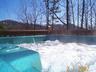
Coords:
39,38
17,59
21,39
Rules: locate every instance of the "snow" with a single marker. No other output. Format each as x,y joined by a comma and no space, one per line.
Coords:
56,56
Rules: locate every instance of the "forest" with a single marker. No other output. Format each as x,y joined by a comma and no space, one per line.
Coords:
79,14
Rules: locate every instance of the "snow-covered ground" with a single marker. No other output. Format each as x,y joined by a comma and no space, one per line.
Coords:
56,55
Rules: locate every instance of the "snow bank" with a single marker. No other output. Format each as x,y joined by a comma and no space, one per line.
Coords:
56,55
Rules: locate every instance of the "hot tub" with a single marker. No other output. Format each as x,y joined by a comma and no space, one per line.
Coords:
54,51
17,59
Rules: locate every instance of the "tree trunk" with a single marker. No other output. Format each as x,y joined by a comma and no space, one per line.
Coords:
91,14
67,13
47,13
78,14
72,12
83,12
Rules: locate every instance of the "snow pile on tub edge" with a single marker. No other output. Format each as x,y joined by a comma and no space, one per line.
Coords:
56,55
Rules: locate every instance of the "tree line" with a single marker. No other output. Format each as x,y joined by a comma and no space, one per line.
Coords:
80,13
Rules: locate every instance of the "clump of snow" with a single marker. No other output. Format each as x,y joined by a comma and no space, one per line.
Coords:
56,55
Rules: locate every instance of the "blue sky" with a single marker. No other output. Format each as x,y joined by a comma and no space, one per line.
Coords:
8,9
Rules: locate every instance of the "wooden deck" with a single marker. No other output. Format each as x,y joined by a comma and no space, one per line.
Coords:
45,32
23,32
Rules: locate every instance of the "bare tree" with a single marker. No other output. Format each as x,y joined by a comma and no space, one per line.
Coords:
47,12
94,11
86,14
67,14
78,13
30,12
52,8
23,15
83,12
72,8
91,14
34,12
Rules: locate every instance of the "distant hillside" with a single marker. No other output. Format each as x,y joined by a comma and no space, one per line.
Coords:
14,25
